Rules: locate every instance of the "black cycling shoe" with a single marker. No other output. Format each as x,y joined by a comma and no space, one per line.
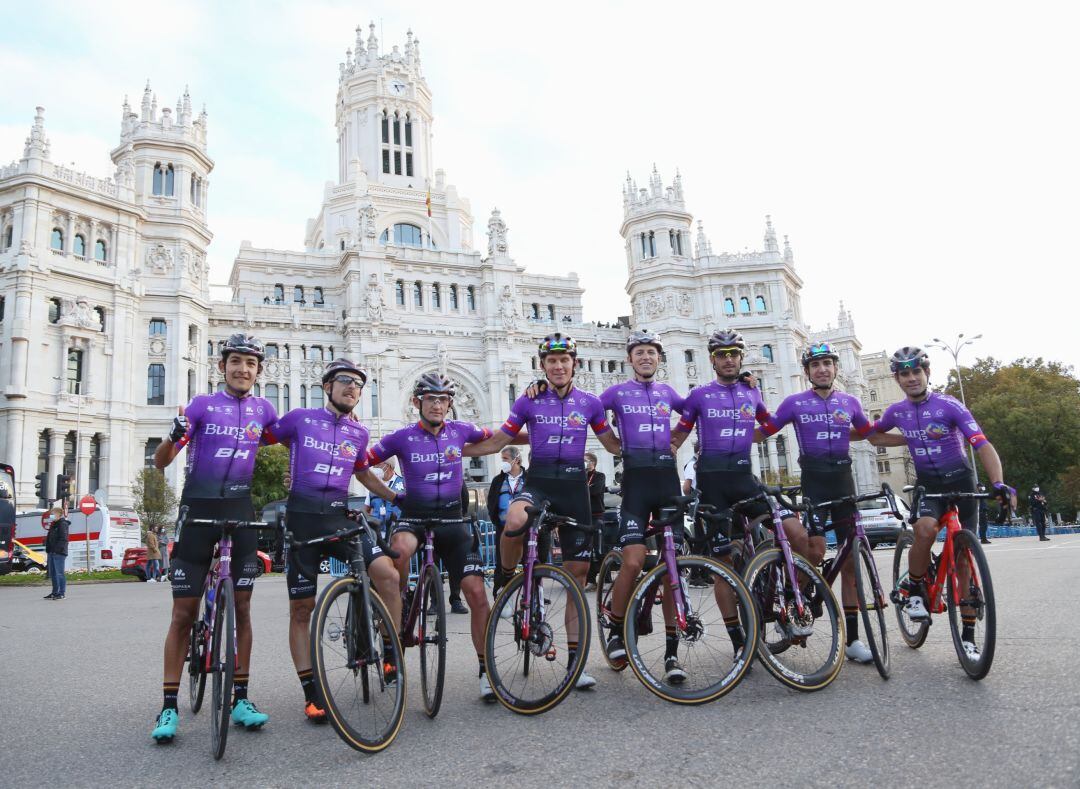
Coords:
458,607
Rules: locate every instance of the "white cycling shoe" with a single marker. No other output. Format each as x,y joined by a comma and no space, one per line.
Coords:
916,609
971,650
486,693
585,681
859,652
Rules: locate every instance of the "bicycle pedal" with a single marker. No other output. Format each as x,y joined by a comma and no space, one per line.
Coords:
550,656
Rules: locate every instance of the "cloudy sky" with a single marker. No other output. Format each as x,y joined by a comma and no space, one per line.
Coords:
923,158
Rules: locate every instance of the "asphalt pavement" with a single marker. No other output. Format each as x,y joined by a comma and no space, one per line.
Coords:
80,686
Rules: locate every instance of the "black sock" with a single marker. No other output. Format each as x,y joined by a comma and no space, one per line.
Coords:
967,631
307,683
735,632
616,625
171,691
239,687
671,643
851,622
571,652
483,665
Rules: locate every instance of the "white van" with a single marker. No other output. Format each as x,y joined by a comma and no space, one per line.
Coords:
111,533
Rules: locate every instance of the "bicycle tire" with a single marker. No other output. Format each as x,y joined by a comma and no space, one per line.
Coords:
337,620
432,641
605,583
872,605
222,664
648,667
914,633
503,641
822,669
197,665
982,594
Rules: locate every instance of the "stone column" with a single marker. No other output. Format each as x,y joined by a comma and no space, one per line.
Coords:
56,461
82,484
69,235
103,465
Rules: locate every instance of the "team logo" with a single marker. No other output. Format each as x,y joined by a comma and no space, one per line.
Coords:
452,453
210,408
936,430
576,419
348,449
253,430
841,416
663,409
746,411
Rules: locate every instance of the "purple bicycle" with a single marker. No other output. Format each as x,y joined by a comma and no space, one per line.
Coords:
212,646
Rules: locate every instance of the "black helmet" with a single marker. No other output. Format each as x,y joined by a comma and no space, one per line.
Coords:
819,350
644,337
242,343
434,383
908,358
726,338
558,343
342,365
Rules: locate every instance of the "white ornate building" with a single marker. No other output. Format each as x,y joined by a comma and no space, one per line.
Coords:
104,288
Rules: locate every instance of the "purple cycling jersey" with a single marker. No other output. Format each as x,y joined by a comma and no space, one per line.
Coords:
223,436
643,418
933,429
430,463
822,424
325,450
725,415
557,426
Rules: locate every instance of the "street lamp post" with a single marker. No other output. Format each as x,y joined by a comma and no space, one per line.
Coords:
954,349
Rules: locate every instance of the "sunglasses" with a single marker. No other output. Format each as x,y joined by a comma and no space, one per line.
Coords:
432,399
726,353
348,380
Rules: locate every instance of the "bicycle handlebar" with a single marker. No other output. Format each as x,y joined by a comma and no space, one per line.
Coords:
548,521
886,492
341,535
952,497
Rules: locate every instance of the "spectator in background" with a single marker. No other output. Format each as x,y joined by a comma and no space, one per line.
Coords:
984,517
597,485
505,485
1037,502
56,550
153,556
689,473
380,509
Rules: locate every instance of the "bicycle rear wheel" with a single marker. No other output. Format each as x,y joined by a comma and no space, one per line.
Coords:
222,664
352,665
432,640
605,583
197,665
529,657
913,633
976,604
712,659
872,604
805,662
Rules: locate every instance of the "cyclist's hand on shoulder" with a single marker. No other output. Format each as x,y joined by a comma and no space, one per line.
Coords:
179,425
536,388
749,379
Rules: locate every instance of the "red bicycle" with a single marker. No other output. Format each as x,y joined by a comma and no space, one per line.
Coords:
958,581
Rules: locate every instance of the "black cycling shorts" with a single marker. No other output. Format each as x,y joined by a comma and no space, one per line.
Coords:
820,485
194,547
645,491
961,482
455,546
302,566
569,497
721,489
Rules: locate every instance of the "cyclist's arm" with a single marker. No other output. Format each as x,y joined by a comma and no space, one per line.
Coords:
991,463
609,442
881,439
678,437
490,445
165,454
370,480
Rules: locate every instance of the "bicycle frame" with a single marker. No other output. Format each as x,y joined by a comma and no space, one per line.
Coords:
946,564
427,565
785,547
669,556
854,537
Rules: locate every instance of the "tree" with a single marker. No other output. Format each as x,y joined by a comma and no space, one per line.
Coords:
268,481
155,501
1030,411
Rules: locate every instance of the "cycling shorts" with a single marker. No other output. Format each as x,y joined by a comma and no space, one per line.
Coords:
821,485
194,547
960,482
569,497
455,546
646,491
302,566
722,489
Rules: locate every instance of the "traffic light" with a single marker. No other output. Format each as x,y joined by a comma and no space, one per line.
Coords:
63,486
41,487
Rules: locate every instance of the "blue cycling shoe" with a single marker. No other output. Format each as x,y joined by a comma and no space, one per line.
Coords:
167,723
244,714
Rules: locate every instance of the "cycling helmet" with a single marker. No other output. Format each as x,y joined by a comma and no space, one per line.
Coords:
434,383
558,343
726,338
819,350
342,365
908,358
644,337
242,343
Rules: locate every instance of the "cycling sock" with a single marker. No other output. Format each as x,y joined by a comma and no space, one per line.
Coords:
571,651
671,644
171,691
616,625
483,665
307,683
239,687
967,632
851,622
735,631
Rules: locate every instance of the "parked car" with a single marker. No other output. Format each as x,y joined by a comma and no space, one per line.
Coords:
878,521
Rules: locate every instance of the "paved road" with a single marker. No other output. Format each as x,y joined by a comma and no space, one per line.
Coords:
79,687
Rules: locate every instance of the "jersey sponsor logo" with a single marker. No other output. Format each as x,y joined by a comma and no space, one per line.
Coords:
576,419
425,457
232,431
253,430
322,446
232,452
245,581
452,453
178,574
348,449
560,440
663,409
326,468
936,431
746,410
649,427
841,416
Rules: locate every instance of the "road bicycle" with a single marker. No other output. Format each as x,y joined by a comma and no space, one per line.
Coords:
957,581
212,644
356,652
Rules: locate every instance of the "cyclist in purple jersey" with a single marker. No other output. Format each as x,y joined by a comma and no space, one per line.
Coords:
931,425
558,420
430,454
724,412
327,447
224,431
825,421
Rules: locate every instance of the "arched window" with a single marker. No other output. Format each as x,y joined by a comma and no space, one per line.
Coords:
418,294
279,294
79,247
405,235
766,353
101,252
271,394
729,307
303,395
688,357
314,353
399,292
319,297
158,327
744,304
759,303
873,395
298,294
675,240
317,398
170,181
470,298
513,395
209,347
271,351
384,124
56,241
159,179
54,310
436,297
535,311
155,384
453,297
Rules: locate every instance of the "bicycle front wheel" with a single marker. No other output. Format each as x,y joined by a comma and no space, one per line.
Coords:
872,605
706,657
913,632
197,665
432,640
974,610
605,583
535,654
358,663
222,664
803,651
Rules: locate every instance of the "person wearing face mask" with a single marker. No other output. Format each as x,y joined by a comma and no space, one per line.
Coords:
507,484
379,508
597,485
